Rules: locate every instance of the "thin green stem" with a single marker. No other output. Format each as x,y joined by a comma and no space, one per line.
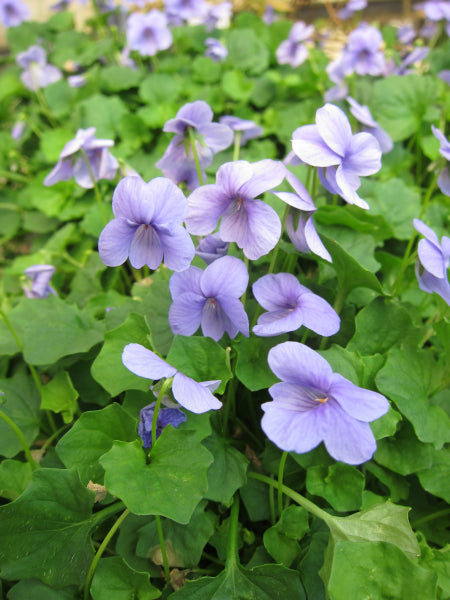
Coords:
48,442
100,551
237,145
232,547
273,518
98,196
280,482
194,152
301,500
14,176
23,442
229,404
165,385
162,545
437,515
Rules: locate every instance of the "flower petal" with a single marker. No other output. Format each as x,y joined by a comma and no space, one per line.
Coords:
235,311
185,281
169,201
364,155
296,363
334,128
267,174
357,402
145,363
277,322
131,201
178,248
227,275
277,291
232,175
185,313
318,315
193,395
215,321
311,149
206,205
146,248
115,241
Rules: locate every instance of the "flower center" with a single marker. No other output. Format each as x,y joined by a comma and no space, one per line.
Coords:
322,400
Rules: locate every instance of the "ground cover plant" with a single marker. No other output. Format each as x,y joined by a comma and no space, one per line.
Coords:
224,329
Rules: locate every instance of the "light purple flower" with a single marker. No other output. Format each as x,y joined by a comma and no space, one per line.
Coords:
305,237
247,129
37,73
345,157
218,16
192,395
210,299
350,8
363,50
61,5
178,162
194,11
211,247
406,34
166,416
215,50
18,130
72,163
76,81
437,10
291,305
252,224
444,75
363,115
269,15
417,55
13,12
149,33
147,226
434,258
40,276
313,405
293,51
444,176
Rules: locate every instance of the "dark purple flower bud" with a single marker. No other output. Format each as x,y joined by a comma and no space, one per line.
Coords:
192,395
149,33
211,248
13,12
166,416
40,276
312,404
37,73
435,259
73,164
147,227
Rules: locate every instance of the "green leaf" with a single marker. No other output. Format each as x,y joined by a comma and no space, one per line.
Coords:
159,87
355,218
92,436
385,522
349,272
45,532
115,580
251,364
281,540
255,497
53,141
408,378
269,582
379,326
236,86
206,70
21,405
65,328
401,104
32,589
341,485
247,52
115,78
156,301
59,97
398,486
14,478
377,571
103,113
228,471
201,358
108,369
436,479
129,477
184,543
60,396
404,453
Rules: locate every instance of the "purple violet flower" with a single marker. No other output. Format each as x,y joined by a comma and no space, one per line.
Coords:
72,163
178,162
363,50
215,50
435,259
305,237
345,157
192,395
40,276
194,11
363,115
37,73
436,10
149,33
211,247
350,8
313,405
18,130
13,12
147,226
406,34
252,224
247,129
166,416
444,150
218,16
293,51
291,305
210,299
269,15
76,81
